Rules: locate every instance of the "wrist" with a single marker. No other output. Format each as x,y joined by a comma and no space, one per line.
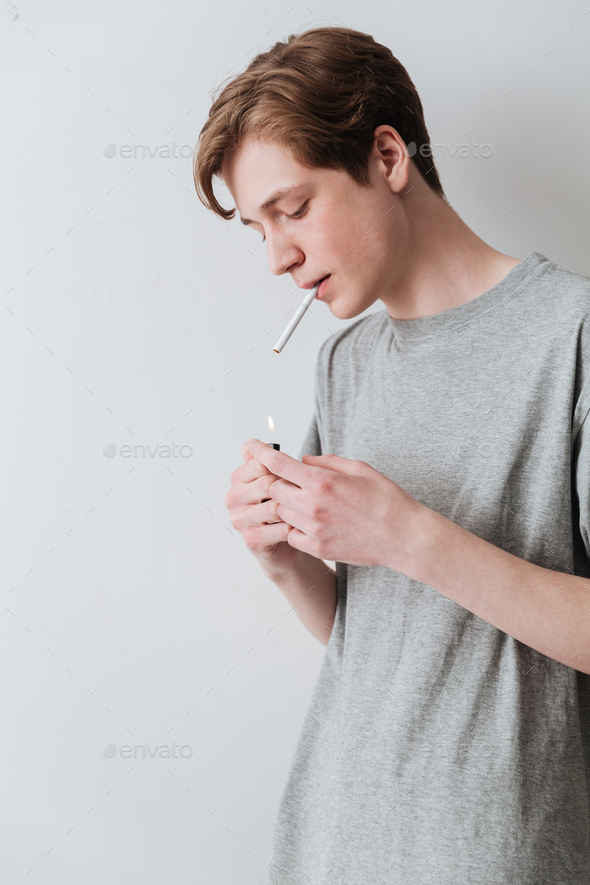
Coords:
410,553
276,570
303,566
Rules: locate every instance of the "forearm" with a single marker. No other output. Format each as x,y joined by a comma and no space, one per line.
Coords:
311,589
545,609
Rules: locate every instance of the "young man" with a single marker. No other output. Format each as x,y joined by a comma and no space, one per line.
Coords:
448,737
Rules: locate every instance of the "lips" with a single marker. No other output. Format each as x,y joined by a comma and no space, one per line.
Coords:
313,283
322,287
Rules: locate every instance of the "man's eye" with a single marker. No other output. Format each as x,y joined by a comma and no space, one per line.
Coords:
299,212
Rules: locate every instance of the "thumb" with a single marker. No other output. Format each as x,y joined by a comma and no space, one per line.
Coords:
330,462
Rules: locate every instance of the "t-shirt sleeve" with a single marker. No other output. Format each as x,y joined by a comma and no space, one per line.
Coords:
311,444
312,441
581,473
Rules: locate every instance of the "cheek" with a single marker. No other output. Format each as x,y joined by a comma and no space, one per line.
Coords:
351,234
370,247
378,242
334,232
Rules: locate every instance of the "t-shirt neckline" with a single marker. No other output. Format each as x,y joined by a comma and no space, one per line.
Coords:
422,328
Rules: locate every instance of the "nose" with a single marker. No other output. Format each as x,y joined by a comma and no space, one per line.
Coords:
282,253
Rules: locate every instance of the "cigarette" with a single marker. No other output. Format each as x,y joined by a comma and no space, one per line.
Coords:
296,319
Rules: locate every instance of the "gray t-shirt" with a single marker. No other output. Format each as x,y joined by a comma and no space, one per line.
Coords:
437,749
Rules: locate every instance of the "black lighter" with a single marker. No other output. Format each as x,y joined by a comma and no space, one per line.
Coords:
277,447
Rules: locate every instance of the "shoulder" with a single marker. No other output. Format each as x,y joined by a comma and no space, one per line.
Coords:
561,288
550,306
563,307
558,318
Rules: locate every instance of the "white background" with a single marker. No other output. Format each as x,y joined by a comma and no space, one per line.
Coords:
134,613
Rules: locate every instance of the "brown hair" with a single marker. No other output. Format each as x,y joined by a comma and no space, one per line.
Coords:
321,94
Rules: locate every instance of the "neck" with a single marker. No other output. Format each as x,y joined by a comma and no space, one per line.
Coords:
444,263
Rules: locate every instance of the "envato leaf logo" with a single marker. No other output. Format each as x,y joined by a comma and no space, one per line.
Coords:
165,451
164,751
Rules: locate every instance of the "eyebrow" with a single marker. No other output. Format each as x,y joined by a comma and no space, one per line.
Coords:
275,196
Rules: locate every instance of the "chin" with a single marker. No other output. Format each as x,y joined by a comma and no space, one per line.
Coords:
342,312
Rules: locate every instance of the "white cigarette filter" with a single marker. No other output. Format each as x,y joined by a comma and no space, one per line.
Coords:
296,319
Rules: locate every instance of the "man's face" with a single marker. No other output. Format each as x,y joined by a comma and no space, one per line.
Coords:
327,225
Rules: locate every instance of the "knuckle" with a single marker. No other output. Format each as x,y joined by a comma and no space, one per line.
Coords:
318,550
245,448
323,551
324,486
316,511
259,469
279,463
318,530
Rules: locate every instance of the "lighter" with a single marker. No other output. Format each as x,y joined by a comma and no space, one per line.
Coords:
277,447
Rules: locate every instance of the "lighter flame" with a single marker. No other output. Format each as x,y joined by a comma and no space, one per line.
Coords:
270,423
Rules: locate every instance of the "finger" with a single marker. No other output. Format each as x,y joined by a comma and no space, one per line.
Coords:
256,491
332,462
247,453
299,540
293,518
280,463
267,535
286,492
255,515
249,471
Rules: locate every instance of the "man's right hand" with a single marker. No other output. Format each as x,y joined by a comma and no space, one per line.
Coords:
254,515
